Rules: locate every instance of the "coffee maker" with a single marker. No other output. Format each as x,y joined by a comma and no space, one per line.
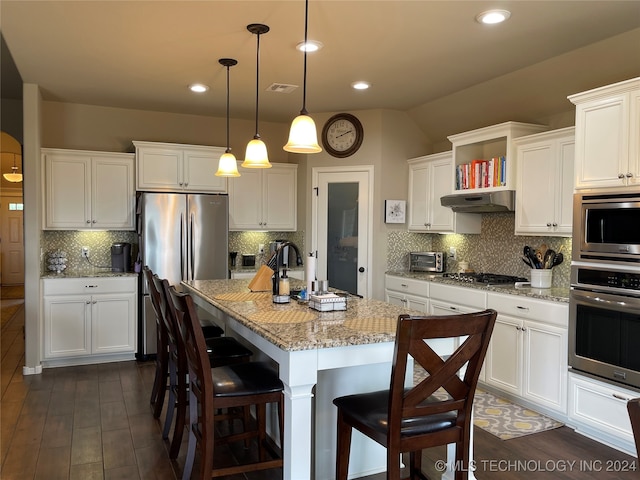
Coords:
121,257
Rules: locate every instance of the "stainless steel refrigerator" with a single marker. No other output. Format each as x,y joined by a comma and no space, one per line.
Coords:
181,237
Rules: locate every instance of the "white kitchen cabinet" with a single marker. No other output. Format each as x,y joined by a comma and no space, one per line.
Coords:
452,300
430,179
88,190
486,143
599,410
527,355
544,199
608,136
264,199
407,293
172,167
89,320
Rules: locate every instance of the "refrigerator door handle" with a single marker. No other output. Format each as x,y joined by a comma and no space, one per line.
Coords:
192,255
182,246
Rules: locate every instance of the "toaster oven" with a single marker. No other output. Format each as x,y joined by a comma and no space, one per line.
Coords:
427,262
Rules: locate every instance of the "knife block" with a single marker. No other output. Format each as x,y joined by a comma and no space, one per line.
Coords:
261,281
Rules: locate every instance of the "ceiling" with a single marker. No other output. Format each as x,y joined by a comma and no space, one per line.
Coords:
428,58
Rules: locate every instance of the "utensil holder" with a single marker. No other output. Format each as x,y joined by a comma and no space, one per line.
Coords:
541,277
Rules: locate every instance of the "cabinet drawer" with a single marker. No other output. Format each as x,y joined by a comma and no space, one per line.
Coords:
89,285
600,405
471,297
554,313
408,285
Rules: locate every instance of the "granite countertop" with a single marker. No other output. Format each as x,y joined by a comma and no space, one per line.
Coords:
87,273
554,294
299,327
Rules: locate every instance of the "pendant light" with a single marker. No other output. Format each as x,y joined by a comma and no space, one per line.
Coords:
256,154
303,137
13,177
227,166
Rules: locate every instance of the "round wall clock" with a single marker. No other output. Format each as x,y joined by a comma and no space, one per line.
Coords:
342,135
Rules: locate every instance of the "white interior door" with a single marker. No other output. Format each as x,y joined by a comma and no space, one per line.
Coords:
342,226
11,242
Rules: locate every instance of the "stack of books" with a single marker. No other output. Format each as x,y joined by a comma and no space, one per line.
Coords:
327,302
482,173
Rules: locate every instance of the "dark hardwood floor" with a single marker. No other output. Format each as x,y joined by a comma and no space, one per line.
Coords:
94,422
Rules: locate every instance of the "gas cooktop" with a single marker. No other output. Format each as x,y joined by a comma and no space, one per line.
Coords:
485,278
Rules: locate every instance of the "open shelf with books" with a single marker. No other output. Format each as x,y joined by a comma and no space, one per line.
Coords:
484,159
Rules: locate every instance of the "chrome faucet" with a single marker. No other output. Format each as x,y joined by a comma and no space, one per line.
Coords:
277,256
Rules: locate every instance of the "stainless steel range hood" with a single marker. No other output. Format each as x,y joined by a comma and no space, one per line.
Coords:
481,202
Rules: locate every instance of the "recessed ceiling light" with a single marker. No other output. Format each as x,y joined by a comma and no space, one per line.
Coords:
198,88
493,16
360,85
310,46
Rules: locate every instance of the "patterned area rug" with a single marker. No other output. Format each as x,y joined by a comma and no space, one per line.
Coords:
507,420
502,418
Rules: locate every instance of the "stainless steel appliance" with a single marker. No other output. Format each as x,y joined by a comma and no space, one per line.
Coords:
427,262
121,257
606,227
604,322
480,202
489,279
182,237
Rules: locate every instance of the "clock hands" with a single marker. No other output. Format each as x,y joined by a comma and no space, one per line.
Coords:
343,134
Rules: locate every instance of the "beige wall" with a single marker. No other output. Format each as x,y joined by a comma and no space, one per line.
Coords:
89,127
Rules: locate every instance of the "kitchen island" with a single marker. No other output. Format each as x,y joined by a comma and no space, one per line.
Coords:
320,355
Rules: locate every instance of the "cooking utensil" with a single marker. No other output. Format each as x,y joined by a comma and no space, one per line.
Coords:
549,257
527,260
558,259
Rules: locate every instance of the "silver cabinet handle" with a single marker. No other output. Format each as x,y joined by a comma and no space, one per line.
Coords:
548,224
555,224
404,285
629,175
621,175
620,397
522,308
88,221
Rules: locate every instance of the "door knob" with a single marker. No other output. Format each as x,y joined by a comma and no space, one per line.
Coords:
361,269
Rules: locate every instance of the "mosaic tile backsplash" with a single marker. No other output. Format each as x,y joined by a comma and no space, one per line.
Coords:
249,242
495,250
99,244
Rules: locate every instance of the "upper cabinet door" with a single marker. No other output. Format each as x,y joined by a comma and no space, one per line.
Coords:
113,194
608,136
67,187
199,171
159,169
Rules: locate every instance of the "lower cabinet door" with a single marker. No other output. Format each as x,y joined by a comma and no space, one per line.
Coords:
504,355
67,329
545,365
113,323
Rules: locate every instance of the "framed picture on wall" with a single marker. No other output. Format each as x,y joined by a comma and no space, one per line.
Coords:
394,211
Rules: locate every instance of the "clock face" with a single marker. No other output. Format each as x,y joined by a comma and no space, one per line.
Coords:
342,135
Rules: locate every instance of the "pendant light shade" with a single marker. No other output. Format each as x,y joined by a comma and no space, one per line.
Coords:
227,166
303,136
256,154
14,176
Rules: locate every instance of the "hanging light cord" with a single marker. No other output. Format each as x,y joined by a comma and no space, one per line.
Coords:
304,73
257,136
228,150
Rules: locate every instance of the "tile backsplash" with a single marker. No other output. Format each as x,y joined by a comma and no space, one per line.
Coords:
496,249
249,242
99,243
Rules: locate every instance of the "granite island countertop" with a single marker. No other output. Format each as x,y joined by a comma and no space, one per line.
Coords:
554,294
294,326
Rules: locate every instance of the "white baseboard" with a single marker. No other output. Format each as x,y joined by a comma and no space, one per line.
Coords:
37,370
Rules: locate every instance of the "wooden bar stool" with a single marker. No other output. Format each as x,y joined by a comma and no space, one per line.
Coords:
220,351
237,385
411,419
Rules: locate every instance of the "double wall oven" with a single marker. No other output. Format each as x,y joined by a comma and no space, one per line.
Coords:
604,304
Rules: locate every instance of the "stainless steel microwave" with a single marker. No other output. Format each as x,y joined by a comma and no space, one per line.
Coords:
427,262
606,227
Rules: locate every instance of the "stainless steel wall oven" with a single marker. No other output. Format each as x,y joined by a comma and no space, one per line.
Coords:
604,322
606,227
